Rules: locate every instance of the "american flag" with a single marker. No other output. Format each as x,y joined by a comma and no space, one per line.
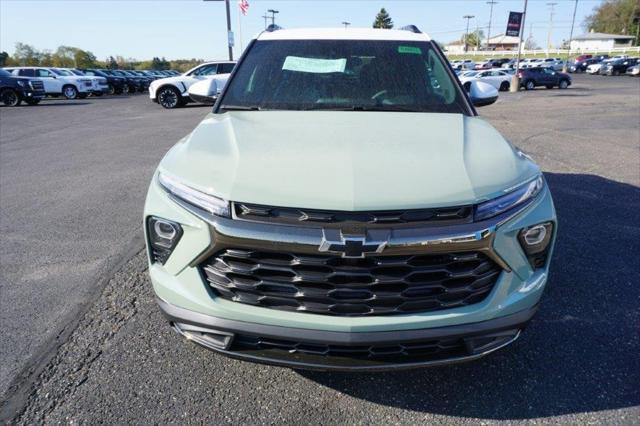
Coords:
244,6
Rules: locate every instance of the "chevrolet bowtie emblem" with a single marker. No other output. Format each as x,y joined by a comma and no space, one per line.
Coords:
333,241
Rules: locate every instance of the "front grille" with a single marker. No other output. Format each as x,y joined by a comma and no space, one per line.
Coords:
332,285
37,85
288,215
399,352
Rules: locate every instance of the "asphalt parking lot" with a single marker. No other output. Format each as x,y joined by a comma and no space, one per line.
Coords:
83,340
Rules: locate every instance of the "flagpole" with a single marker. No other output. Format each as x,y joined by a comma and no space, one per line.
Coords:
240,29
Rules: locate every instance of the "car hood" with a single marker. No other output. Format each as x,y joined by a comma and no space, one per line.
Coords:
174,80
347,160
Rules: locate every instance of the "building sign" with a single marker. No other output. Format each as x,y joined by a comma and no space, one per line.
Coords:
514,24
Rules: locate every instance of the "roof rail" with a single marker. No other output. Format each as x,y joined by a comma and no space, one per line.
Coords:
273,27
411,28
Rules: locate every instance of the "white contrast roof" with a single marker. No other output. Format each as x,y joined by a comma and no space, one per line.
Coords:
342,34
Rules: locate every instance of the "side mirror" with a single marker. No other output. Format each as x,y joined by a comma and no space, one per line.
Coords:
207,91
482,94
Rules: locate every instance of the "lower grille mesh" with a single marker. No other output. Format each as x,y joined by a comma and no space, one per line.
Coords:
433,349
332,285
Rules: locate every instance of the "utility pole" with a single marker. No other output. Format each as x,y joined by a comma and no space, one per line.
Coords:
573,21
265,20
515,80
466,36
490,19
346,24
273,15
229,33
552,6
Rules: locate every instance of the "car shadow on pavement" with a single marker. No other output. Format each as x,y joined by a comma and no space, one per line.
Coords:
580,352
54,103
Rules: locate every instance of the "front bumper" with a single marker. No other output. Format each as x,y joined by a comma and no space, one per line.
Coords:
343,351
33,94
188,301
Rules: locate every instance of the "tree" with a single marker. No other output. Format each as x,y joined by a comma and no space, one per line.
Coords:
474,39
4,59
26,55
64,56
84,59
383,20
111,63
615,17
530,44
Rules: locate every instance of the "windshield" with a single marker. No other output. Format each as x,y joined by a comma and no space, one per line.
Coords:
60,72
4,73
344,75
77,72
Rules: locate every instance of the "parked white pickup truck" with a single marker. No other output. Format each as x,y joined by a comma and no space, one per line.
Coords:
173,92
57,81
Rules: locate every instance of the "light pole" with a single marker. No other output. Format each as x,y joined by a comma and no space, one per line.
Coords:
490,19
466,36
573,21
515,80
346,24
552,6
273,15
229,33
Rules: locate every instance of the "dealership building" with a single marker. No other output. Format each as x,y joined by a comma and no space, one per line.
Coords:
601,41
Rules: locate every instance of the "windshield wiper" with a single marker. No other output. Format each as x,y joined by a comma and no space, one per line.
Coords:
240,108
360,108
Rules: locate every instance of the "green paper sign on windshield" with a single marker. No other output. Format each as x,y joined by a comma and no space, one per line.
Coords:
410,49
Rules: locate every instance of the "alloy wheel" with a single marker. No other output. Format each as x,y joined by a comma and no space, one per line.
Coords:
168,98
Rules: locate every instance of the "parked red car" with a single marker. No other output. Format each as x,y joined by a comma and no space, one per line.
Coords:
582,58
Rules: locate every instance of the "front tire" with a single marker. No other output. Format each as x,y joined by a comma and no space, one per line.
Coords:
169,97
10,97
529,85
549,86
125,89
504,86
70,92
563,84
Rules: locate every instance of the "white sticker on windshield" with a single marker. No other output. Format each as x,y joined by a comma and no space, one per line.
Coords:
314,65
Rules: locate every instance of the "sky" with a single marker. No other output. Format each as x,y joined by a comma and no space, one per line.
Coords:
181,29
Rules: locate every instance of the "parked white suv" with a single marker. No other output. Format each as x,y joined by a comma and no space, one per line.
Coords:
100,84
57,81
173,92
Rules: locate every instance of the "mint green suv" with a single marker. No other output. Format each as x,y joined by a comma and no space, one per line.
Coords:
343,207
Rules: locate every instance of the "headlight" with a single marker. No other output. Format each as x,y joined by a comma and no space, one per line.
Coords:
521,195
21,83
206,202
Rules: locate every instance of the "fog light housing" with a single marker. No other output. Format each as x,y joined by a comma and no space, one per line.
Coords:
163,236
535,243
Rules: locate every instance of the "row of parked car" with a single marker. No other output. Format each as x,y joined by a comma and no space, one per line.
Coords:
556,64
605,65
593,64
32,84
529,78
